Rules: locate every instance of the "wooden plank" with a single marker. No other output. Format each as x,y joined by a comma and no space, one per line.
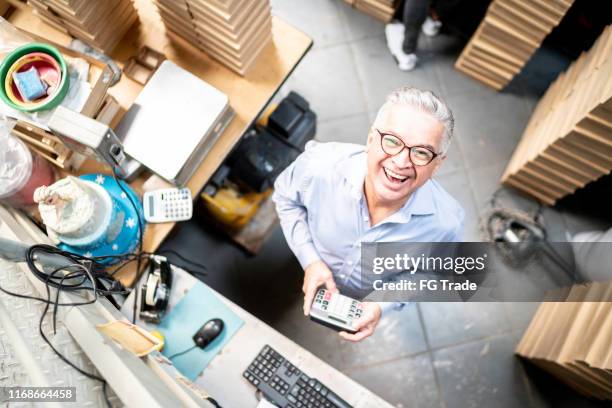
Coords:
101,24
562,335
568,140
512,31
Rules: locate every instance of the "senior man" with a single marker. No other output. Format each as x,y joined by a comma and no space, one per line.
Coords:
337,195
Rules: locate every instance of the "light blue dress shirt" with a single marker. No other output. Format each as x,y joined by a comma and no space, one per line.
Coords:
324,215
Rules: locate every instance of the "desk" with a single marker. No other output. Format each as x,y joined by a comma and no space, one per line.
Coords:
248,95
222,378
128,375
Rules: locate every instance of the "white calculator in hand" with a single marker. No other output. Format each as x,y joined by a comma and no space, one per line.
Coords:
168,205
336,311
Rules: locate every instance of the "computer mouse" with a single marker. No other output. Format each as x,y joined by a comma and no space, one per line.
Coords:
208,332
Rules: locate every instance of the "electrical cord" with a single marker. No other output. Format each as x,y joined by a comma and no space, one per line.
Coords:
98,273
182,352
203,269
140,235
213,401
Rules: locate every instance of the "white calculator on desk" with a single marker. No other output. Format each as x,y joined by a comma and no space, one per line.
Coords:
168,205
336,311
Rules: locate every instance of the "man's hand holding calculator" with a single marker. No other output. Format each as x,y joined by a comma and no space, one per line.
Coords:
366,324
316,274
353,319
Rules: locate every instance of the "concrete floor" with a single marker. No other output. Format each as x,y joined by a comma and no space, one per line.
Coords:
431,354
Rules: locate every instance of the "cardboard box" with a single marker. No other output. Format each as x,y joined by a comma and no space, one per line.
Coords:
573,340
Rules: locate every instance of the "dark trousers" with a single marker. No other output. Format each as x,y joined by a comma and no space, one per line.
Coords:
413,15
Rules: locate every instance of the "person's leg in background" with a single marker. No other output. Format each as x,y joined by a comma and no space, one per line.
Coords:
438,11
402,37
432,25
413,16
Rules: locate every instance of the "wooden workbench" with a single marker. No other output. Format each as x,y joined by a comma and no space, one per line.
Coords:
248,95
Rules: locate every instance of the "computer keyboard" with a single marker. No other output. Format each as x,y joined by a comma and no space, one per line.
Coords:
285,385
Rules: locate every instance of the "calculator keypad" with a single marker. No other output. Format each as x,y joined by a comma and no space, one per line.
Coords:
177,204
168,205
338,305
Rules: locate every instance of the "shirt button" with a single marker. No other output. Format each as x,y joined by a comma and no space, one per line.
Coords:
342,276
349,263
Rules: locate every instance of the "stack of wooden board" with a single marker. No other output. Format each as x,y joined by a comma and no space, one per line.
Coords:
382,10
511,31
4,7
568,141
231,31
572,340
101,24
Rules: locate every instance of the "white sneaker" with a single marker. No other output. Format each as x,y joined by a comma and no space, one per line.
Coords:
406,62
431,27
394,32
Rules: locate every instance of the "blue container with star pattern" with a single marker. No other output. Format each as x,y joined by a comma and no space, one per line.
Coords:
114,230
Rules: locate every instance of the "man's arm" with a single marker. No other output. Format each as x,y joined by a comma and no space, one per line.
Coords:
290,189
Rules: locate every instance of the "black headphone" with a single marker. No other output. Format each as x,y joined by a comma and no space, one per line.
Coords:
155,290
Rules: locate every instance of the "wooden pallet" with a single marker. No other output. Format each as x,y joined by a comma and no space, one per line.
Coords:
509,34
233,32
568,140
101,24
382,10
4,7
572,340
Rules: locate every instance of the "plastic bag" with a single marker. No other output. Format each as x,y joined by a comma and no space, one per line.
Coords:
15,161
10,38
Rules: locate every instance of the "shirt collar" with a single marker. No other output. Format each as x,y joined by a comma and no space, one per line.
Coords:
421,202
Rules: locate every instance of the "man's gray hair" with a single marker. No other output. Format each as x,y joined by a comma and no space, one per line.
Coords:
426,101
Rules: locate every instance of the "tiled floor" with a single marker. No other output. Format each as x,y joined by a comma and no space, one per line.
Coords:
430,354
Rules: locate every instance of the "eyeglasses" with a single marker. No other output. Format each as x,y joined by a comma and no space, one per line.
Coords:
393,145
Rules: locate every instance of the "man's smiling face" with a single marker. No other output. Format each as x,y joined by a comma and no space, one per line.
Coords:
393,178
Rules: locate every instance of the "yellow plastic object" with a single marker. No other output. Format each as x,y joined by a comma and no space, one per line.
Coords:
263,119
11,95
131,337
232,208
28,59
161,337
